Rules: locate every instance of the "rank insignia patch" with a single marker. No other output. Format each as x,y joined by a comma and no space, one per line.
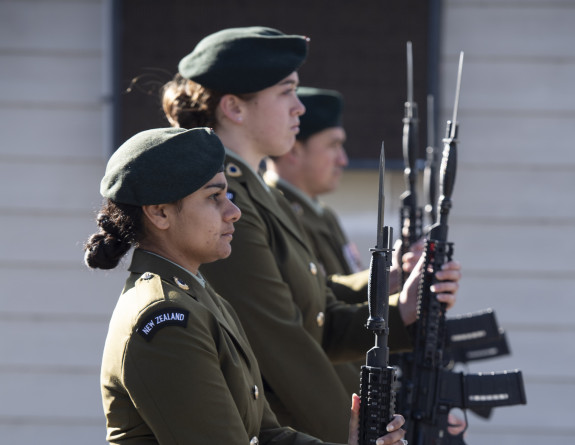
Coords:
170,316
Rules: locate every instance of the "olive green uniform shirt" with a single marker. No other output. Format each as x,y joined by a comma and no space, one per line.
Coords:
177,367
296,326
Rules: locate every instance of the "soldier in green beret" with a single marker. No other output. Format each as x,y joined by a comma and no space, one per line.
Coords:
314,167
242,82
177,366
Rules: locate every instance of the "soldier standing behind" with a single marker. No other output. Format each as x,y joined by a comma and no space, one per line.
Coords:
313,167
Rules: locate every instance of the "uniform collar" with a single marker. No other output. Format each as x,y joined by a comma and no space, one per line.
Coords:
199,278
262,195
146,261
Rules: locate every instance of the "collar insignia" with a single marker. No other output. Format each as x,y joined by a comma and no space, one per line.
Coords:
181,284
233,171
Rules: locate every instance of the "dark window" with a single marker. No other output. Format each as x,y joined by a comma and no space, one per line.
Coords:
357,47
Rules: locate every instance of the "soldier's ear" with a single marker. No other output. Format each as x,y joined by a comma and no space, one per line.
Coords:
157,216
232,108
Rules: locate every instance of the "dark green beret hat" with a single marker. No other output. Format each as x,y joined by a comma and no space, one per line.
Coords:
244,60
162,165
323,109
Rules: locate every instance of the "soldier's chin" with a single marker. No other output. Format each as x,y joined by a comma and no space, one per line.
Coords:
224,254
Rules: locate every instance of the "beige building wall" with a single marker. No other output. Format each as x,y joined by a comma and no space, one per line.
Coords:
513,218
54,126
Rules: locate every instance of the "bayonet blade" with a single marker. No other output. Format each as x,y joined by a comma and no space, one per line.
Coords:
381,201
456,105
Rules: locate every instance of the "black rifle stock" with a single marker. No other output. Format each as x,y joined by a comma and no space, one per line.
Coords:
435,390
377,378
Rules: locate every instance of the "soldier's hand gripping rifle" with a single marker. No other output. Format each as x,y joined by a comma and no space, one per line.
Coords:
436,390
377,391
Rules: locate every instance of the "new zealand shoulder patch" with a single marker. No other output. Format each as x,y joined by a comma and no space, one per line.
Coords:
169,316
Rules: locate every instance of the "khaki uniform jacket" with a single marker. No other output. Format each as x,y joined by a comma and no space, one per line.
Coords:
296,326
336,254
333,250
323,228
177,367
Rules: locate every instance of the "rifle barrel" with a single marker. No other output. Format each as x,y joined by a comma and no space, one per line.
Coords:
430,120
409,73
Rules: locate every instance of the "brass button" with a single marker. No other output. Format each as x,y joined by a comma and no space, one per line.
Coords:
255,392
254,441
320,319
313,268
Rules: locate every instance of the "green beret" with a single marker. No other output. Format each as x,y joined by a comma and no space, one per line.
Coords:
162,165
323,109
244,60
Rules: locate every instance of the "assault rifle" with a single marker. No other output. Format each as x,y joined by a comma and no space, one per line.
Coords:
377,378
470,337
410,214
434,390
473,336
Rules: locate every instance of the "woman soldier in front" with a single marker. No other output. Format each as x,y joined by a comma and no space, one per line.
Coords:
177,366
